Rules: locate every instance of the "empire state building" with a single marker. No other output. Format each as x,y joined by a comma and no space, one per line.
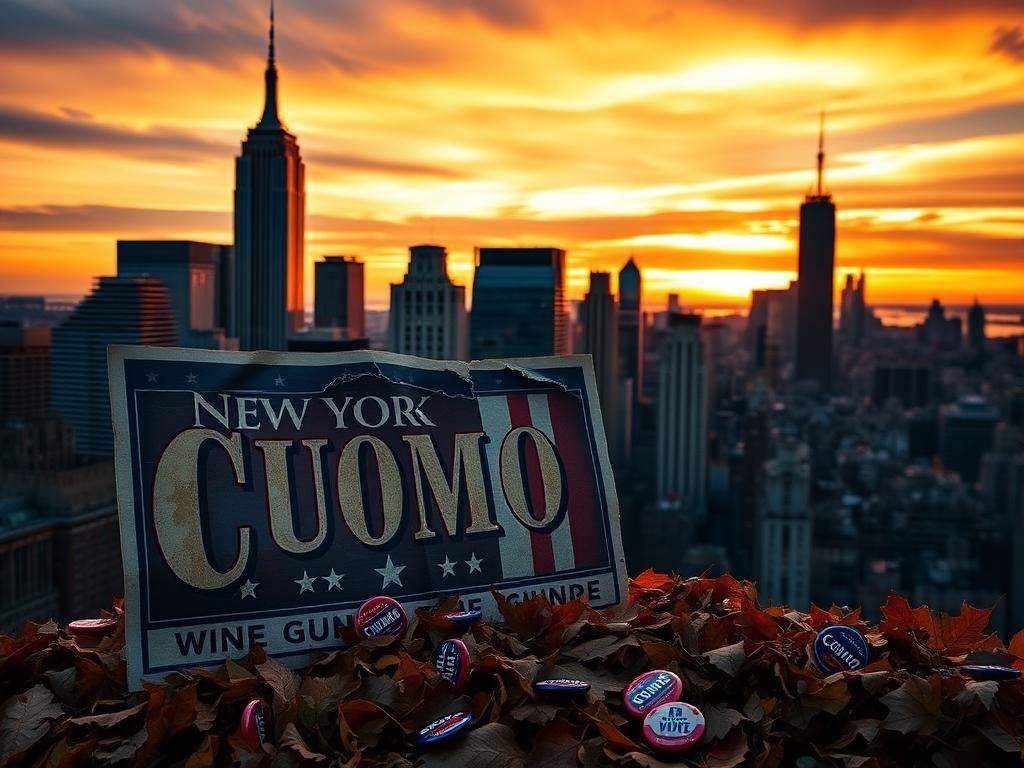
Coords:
269,218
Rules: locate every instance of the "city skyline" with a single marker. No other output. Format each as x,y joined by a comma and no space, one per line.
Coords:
925,180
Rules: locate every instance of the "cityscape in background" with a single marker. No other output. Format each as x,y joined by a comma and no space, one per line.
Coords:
829,449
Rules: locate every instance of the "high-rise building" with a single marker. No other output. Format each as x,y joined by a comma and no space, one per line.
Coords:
338,295
939,331
519,307
967,431
771,329
976,327
815,278
120,310
853,315
631,327
600,326
428,312
681,429
784,551
195,274
24,371
269,220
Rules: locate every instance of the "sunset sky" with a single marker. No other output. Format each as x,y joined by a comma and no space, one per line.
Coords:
683,133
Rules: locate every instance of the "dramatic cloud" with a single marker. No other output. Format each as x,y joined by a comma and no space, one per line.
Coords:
683,133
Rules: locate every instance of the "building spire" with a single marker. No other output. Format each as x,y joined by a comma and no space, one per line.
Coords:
270,118
821,145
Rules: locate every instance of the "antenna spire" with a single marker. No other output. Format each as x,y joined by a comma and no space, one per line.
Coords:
821,148
270,118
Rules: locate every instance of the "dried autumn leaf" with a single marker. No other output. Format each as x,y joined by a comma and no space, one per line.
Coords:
292,739
110,719
490,746
914,707
729,659
1016,646
25,719
978,691
282,680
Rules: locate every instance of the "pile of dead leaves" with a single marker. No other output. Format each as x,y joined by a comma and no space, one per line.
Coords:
746,667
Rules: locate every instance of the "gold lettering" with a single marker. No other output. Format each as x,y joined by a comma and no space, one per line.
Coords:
445,491
279,497
350,492
513,480
176,515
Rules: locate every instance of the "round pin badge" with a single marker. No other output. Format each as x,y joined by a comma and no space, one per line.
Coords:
88,633
464,617
444,729
451,660
990,672
562,687
674,726
254,724
381,616
840,649
651,689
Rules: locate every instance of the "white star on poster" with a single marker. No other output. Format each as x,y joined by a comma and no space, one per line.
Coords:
151,377
191,378
474,563
305,583
249,589
447,567
279,381
333,580
391,573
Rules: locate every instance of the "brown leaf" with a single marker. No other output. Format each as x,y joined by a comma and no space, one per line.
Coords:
719,721
490,746
292,739
1016,646
24,720
538,714
914,707
110,719
730,753
975,691
601,647
1000,738
866,729
115,750
554,747
205,756
282,680
729,658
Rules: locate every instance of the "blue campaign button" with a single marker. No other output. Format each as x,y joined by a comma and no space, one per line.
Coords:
451,660
990,672
381,616
464,617
444,729
562,686
840,649
651,689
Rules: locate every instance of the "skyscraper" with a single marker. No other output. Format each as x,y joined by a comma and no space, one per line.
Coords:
338,294
428,311
816,269
976,326
193,273
120,310
784,551
631,327
600,324
269,220
24,371
519,303
681,428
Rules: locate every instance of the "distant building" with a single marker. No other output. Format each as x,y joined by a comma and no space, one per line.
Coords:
428,311
909,383
966,432
816,276
938,331
771,329
270,212
24,371
599,321
681,430
338,294
631,355
120,310
1002,474
976,327
196,275
326,340
853,314
785,529
519,307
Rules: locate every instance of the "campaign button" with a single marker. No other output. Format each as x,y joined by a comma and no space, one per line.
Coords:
990,672
451,660
650,690
444,729
839,649
381,616
464,617
91,627
562,686
674,726
254,724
